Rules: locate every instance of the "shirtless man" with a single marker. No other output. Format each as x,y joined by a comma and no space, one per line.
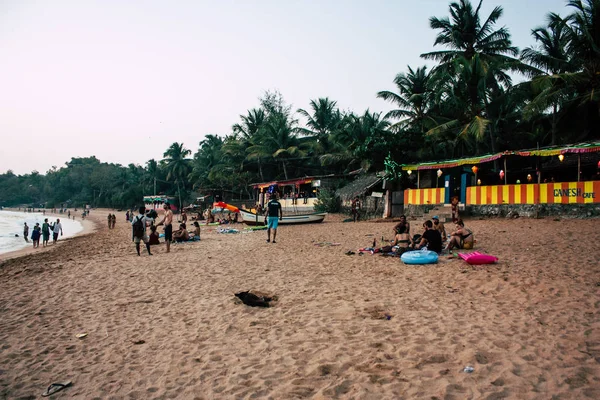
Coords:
167,221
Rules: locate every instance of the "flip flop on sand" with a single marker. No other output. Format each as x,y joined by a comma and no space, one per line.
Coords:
56,387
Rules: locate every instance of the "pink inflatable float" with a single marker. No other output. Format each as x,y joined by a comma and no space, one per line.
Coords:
477,258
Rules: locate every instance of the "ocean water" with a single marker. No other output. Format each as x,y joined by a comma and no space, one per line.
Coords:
11,224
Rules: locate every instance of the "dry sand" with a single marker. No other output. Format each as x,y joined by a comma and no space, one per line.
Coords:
167,326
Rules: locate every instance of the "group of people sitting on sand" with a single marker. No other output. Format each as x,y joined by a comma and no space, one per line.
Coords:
434,237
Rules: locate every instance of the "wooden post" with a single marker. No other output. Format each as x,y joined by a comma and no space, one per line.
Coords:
505,172
418,179
578,167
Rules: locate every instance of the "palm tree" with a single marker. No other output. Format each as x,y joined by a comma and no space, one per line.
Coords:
551,57
364,141
580,86
466,36
475,64
250,131
151,174
324,120
414,98
208,156
280,140
177,165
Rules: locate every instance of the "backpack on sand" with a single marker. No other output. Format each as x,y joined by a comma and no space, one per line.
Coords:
138,227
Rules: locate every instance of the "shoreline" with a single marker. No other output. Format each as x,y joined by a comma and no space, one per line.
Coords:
90,225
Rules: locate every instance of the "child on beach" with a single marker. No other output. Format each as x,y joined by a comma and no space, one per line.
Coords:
153,236
35,235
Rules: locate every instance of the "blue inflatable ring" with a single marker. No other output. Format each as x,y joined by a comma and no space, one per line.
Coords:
419,257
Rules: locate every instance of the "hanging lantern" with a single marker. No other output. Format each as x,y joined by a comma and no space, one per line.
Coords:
501,174
598,164
439,173
409,172
479,181
529,178
518,181
561,157
475,169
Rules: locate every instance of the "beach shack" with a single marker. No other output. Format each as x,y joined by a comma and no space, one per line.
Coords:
369,188
296,195
552,180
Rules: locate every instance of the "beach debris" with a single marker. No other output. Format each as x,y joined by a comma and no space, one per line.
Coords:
56,387
227,230
378,312
256,299
468,369
139,341
350,253
326,244
81,335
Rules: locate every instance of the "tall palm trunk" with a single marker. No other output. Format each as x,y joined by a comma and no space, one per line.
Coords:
554,123
284,170
260,172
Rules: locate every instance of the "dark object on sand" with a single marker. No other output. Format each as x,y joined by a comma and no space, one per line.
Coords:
252,300
56,387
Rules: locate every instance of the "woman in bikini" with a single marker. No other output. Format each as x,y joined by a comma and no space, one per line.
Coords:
402,242
461,238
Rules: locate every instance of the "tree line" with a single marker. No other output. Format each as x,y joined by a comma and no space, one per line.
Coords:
465,105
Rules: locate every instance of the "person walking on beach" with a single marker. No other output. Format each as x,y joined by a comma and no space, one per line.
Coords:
274,215
355,208
167,221
26,232
56,229
45,232
114,221
35,235
109,218
138,230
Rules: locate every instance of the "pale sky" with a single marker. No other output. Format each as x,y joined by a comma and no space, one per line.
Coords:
122,80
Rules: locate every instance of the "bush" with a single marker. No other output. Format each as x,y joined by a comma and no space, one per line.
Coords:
327,201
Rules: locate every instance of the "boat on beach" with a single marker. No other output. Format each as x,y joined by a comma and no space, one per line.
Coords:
250,218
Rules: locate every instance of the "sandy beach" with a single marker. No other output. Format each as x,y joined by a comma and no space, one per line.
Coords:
167,326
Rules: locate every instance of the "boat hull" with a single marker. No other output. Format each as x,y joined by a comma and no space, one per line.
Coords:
250,218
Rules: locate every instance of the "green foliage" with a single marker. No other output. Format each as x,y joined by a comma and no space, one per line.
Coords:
327,201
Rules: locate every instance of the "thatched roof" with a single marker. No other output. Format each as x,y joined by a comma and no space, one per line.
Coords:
358,187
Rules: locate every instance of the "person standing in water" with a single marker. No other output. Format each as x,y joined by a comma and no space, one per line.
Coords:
45,232
35,235
26,232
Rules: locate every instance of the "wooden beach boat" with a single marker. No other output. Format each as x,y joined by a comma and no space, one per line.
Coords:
250,218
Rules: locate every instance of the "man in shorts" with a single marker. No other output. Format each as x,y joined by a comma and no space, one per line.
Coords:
274,214
57,228
26,232
167,221
143,237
